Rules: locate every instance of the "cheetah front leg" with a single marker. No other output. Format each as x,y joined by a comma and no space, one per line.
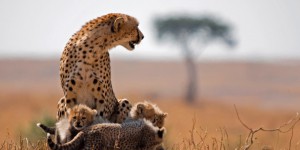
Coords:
70,100
70,92
61,109
121,112
104,98
101,103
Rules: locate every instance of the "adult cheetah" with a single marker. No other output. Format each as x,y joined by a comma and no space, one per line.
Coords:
85,64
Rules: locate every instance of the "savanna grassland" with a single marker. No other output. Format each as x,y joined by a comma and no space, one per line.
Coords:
266,95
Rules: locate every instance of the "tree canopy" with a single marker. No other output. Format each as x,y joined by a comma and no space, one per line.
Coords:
207,28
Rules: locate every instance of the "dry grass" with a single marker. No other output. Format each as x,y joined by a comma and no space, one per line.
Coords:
23,144
200,138
289,126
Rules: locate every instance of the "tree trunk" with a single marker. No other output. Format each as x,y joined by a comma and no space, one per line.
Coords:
191,93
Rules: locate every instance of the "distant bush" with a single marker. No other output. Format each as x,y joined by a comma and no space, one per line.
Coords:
34,133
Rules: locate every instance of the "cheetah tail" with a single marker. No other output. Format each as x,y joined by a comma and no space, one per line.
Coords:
75,143
50,130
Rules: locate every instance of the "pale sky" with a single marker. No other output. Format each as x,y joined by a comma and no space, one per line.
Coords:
40,28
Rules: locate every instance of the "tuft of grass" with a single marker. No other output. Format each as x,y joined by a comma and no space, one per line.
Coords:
200,139
23,144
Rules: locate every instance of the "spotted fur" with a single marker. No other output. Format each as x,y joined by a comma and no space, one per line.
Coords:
122,111
135,135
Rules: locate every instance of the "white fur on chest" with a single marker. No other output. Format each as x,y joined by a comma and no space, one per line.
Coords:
84,93
85,96
62,126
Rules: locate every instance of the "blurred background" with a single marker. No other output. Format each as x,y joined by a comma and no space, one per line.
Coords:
197,60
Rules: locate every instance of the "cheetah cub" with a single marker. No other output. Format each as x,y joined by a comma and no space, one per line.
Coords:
81,116
148,111
135,135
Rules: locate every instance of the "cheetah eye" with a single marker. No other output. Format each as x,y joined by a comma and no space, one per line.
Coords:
83,118
74,117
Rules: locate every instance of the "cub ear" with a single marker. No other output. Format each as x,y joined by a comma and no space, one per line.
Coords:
140,108
165,115
94,112
69,110
117,24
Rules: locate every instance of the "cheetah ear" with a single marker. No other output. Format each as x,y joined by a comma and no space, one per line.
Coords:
117,24
165,115
140,108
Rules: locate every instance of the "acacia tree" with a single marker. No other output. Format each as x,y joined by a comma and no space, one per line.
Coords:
192,35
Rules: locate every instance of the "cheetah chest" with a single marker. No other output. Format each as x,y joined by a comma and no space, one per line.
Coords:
89,85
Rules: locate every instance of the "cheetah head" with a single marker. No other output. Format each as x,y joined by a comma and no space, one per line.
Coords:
128,32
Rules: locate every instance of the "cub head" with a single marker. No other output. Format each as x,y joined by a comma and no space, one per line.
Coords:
81,116
159,119
126,29
150,112
145,110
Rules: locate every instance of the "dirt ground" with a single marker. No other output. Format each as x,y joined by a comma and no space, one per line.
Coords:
266,95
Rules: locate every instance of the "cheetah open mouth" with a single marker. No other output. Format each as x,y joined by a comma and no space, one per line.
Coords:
133,43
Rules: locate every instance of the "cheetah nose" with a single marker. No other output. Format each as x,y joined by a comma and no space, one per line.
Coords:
142,37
